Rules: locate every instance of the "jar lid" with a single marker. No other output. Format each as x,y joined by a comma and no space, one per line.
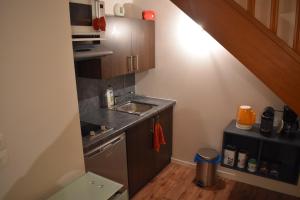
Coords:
208,154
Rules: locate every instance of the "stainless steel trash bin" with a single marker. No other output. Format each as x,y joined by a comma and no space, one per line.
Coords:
207,161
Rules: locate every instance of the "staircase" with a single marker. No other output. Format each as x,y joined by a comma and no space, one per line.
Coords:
263,34
279,16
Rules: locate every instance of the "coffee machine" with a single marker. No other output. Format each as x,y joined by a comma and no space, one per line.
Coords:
267,120
290,122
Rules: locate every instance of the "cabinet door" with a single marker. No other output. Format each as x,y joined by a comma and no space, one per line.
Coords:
118,39
140,156
143,45
163,157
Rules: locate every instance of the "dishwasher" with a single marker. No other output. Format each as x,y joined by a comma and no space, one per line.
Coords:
109,160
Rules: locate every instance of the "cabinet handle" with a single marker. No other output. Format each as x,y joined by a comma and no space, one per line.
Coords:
130,63
104,147
137,67
153,124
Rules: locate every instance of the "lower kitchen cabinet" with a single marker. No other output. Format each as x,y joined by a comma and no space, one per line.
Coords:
140,156
144,163
163,157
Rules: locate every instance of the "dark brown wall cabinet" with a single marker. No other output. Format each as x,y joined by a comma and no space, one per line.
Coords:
133,44
143,161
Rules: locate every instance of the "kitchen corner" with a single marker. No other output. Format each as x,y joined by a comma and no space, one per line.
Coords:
120,121
150,100
118,144
122,133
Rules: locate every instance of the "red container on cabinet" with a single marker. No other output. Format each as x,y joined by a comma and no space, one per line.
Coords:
149,15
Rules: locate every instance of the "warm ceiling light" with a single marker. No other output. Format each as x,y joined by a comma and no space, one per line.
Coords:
193,38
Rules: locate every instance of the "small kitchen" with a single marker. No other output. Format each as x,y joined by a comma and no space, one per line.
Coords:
146,105
119,127
126,137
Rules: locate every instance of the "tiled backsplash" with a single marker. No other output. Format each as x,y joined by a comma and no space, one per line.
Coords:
90,91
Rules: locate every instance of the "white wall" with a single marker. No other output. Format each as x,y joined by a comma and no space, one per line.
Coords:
206,80
39,113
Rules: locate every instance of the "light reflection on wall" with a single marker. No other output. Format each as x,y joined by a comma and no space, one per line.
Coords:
115,32
193,39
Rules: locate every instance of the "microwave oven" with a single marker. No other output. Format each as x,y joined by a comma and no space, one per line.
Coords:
82,14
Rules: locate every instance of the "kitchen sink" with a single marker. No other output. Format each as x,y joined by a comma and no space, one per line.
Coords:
133,107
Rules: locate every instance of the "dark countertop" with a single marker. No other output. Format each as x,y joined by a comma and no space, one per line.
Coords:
119,121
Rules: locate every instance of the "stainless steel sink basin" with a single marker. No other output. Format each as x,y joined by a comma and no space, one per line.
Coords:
133,107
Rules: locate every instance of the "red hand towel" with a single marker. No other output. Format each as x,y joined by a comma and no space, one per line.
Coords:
158,137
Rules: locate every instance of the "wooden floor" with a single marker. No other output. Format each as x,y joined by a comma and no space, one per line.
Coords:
176,182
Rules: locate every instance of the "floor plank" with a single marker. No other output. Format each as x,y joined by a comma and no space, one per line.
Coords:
175,182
